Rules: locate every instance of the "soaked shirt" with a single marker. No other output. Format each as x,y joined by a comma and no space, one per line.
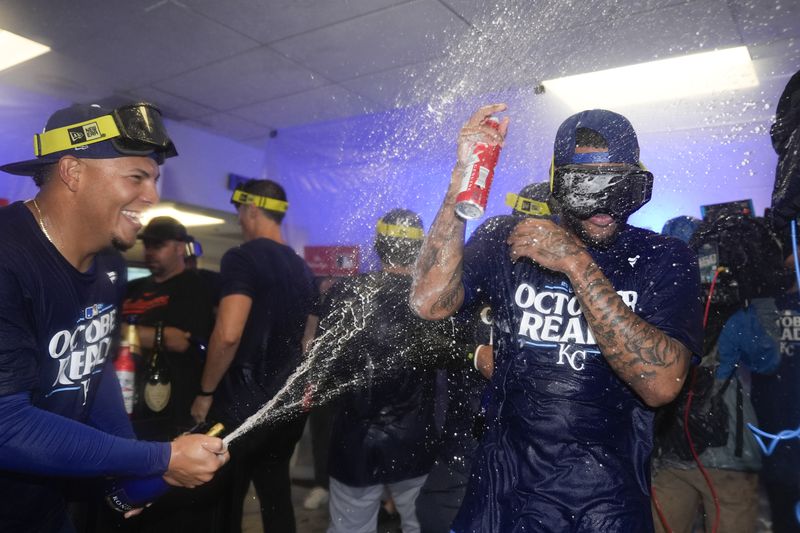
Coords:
776,397
384,431
569,444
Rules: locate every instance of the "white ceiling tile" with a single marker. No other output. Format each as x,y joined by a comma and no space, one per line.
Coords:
229,126
317,105
764,21
401,35
250,77
159,44
270,20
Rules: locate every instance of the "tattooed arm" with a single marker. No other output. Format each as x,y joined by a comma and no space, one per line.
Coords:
650,361
437,291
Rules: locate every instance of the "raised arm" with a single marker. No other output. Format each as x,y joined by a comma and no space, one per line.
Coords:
437,291
650,361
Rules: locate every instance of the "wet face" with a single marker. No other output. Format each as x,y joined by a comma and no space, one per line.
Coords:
113,195
600,229
164,259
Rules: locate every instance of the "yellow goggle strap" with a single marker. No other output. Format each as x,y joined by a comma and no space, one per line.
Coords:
527,206
241,197
75,135
402,232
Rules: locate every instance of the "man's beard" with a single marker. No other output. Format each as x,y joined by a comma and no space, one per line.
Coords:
573,223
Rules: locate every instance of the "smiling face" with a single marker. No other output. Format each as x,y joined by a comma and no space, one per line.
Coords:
113,195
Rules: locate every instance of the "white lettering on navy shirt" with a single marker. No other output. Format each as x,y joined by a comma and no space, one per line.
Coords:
82,351
552,318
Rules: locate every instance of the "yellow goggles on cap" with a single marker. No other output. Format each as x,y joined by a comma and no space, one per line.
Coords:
75,135
527,206
271,204
135,129
401,232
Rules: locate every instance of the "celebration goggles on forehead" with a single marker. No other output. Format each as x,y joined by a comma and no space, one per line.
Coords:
399,232
241,197
615,190
135,129
527,206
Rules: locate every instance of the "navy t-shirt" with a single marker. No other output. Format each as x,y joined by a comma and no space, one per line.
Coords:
776,397
58,327
282,290
569,444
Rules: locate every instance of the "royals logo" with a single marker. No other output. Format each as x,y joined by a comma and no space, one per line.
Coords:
552,318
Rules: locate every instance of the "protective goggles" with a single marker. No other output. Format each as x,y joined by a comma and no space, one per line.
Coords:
245,198
135,129
399,232
526,206
586,191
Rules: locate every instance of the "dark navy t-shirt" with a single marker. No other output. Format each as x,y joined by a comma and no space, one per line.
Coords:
58,327
776,397
569,445
282,290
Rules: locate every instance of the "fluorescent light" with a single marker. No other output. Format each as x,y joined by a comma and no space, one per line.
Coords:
656,81
17,49
185,217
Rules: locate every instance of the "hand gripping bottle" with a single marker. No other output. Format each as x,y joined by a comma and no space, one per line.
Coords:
474,192
132,493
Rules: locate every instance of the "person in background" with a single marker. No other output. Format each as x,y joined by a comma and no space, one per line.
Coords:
177,300
681,227
384,435
268,293
740,341
776,399
194,250
61,408
596,321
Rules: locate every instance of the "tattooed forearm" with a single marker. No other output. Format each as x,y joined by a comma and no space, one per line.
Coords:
437,291
651,362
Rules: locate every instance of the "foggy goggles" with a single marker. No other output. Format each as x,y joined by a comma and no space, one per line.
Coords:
526,206
586,191
245,198
133,130
400,232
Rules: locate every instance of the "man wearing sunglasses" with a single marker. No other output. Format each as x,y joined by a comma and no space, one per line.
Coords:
596,321
61,410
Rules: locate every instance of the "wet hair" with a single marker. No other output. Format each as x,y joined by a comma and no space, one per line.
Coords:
399,251
269,189
43,174
589,138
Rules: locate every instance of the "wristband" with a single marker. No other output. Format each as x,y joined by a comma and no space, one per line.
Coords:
204,393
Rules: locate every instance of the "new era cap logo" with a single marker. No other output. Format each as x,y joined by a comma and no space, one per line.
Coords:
87,132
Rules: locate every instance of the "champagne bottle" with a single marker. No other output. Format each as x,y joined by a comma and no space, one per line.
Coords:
158,387
125,366
127,494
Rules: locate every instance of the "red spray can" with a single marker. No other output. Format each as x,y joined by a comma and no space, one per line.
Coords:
474,192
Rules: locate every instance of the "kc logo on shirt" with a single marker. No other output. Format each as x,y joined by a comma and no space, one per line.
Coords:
81,352
552,318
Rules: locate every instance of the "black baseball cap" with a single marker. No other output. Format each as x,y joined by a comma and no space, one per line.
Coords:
162,229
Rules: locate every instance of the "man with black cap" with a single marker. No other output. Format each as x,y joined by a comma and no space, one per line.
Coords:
267,294
61,409
596,323
177,300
